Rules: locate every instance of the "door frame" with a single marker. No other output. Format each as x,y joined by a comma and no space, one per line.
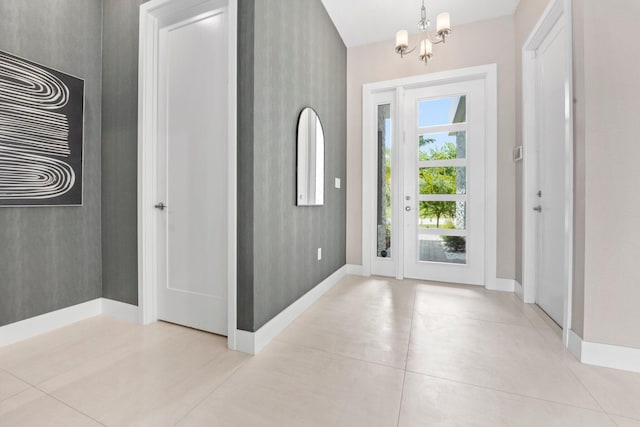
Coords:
557,10
151,13
488,73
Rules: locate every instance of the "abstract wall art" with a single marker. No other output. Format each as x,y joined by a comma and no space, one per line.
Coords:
41,134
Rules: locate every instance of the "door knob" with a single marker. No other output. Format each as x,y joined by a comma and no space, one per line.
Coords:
538,208
160,206
407,208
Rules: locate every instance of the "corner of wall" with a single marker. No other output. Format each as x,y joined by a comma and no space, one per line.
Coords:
246,93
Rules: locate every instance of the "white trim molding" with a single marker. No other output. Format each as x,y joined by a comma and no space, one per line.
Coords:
119,310
518,289
29,328
605,355
254,342
47,322
556,11
487,73
354,270
575,345
153,16
503,285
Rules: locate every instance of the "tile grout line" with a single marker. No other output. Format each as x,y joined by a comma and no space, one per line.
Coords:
29,385
69,406
71,369
529,323
475,319
215,389
544,321
16,394
615,423
406,360
589,391
590,394
128,354
19,379
344,356
626,417
511,393
404,380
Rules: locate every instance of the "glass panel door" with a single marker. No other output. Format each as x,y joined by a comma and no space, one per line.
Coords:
444,183
384,182
383,135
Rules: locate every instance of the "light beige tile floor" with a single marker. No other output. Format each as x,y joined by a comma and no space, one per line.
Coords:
371,352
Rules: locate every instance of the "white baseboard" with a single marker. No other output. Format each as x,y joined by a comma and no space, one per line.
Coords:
354,270
253,342
29,328
608,356
120,310
47,322
245,341
519,290
503,285
575,345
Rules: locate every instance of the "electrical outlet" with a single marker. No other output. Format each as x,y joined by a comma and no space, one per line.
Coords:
337,182
319,254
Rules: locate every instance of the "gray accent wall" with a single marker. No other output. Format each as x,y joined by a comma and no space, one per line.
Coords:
246,37
50,256
299,60
120,150
290,57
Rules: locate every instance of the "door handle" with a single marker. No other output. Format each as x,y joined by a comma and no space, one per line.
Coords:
407,208
538,209
161,206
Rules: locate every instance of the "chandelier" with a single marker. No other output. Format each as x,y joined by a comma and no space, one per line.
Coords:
443,30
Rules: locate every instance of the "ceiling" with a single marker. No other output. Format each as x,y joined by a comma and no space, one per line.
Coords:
367,21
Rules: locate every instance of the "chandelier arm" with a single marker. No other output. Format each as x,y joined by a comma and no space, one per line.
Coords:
436,40
406,52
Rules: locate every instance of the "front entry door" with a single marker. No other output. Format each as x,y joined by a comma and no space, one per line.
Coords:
551,171
192,172
444,183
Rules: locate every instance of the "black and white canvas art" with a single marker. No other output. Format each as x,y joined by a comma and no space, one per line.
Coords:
41,134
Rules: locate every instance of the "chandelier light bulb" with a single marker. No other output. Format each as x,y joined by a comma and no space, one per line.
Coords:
402,39
444,23
426,50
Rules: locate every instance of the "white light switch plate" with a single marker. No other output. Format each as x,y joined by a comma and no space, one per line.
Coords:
517,153
319,254
337,182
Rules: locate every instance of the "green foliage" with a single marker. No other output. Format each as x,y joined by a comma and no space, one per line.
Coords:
447,152
441,180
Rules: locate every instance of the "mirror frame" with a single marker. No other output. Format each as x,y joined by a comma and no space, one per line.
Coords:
319,170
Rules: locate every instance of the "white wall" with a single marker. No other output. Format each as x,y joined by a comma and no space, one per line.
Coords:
606,286
612,175
481,43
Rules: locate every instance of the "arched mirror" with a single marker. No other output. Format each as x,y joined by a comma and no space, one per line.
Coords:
310,179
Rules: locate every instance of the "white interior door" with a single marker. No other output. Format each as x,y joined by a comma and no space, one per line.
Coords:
551,173
444,183
192,172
